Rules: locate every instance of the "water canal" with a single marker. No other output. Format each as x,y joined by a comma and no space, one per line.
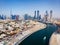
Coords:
40,37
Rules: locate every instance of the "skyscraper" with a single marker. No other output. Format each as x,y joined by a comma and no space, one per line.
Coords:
3,17
17,17
38,14
50,15
39,17
0,16
13,17
46,16
35,15
26,16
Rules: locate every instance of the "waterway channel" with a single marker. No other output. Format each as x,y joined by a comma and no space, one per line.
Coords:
40,37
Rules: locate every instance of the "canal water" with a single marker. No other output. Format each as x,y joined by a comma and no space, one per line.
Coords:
40,37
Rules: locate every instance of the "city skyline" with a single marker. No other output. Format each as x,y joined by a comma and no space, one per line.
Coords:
22,7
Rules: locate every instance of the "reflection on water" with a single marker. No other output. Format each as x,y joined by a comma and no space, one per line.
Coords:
40,37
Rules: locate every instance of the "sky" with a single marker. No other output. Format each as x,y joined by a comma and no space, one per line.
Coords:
21,7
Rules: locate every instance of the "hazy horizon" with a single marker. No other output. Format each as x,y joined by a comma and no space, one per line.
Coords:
22,7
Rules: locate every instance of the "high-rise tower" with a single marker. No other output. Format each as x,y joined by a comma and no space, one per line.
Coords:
35,15
50,15
46,16
38,14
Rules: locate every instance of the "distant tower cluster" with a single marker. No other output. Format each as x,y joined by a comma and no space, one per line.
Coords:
3,17
48,17
15,17
27,17
36,15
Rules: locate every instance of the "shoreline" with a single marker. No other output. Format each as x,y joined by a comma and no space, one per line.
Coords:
20,37
37,28
28,28
55,39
